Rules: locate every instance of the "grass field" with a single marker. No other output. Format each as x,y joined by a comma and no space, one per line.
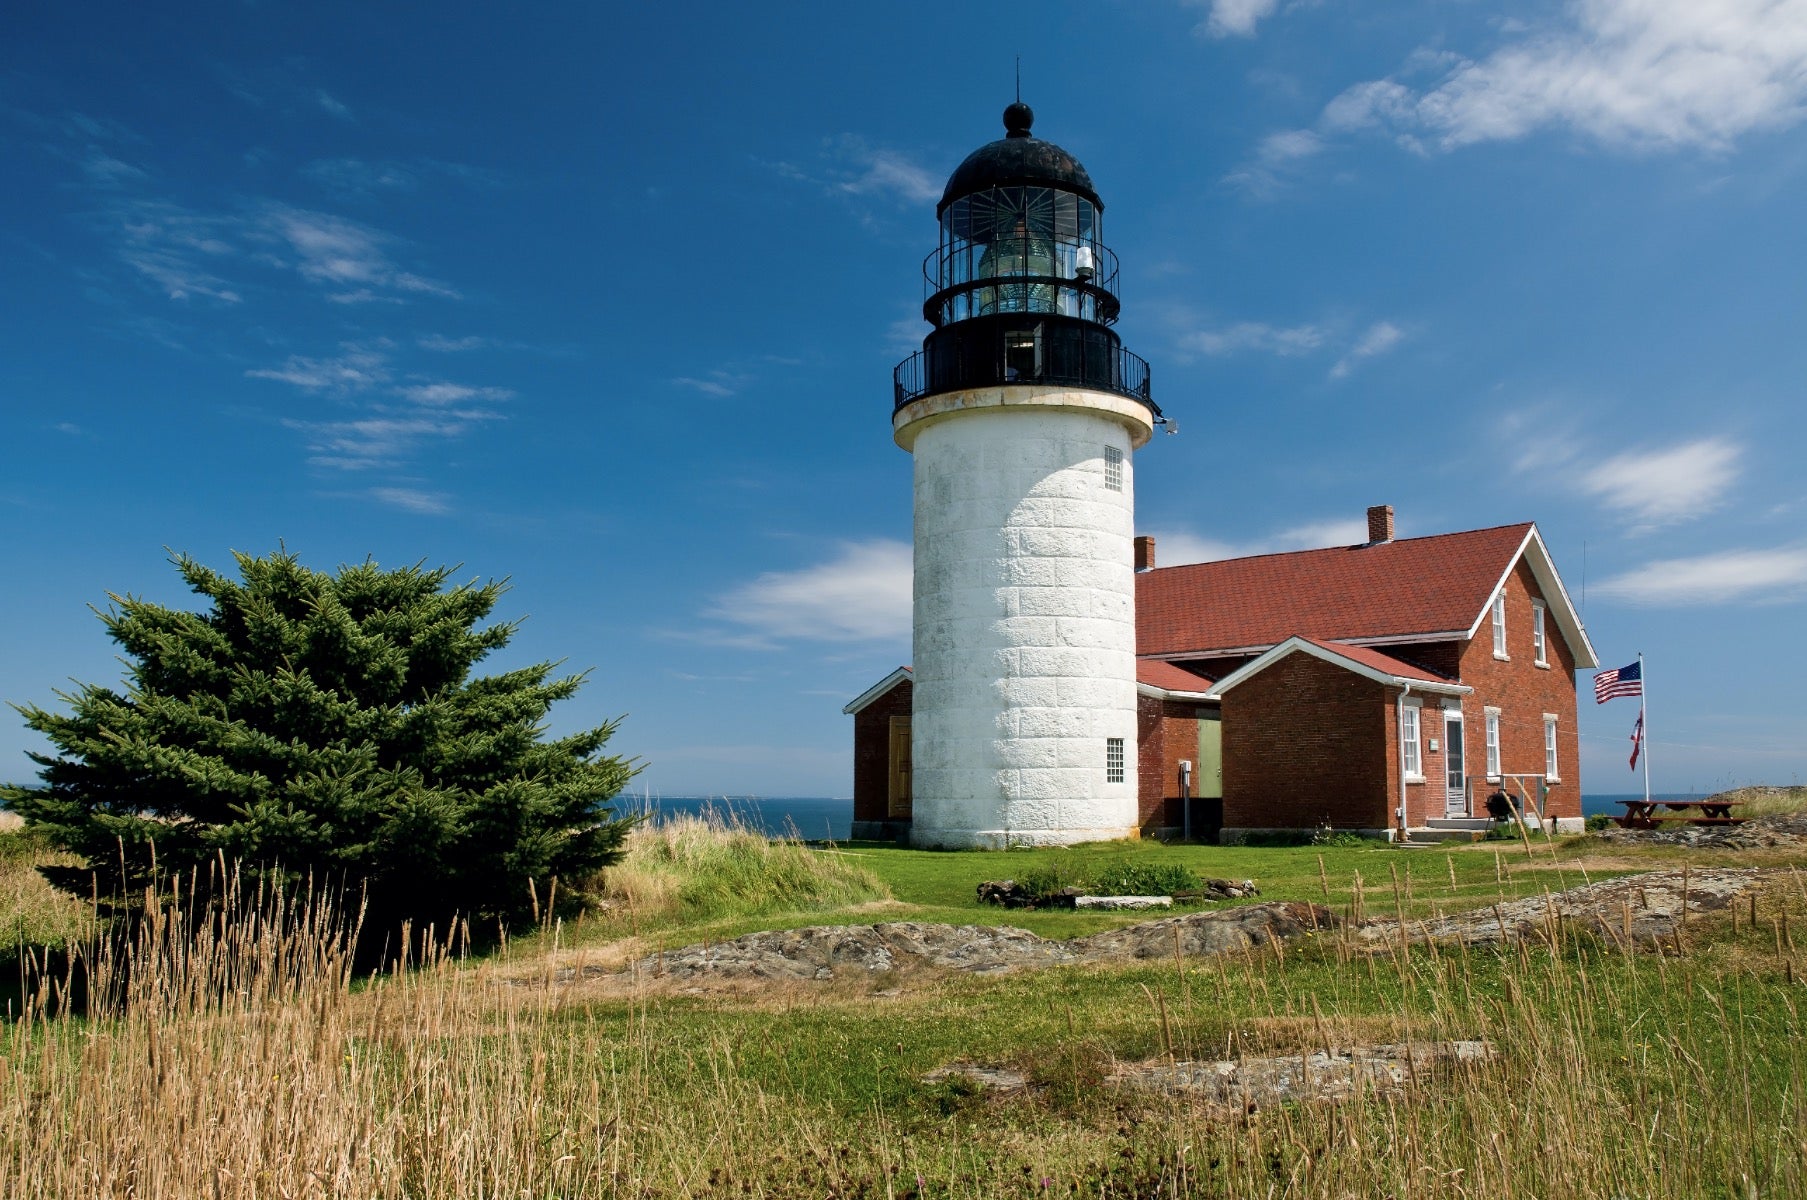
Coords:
250,1062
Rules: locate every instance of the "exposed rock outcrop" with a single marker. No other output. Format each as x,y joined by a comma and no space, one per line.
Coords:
823,951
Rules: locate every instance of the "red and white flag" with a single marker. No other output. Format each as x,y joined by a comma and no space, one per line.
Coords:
1637,740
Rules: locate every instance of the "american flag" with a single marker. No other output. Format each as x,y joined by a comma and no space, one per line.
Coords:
1626,681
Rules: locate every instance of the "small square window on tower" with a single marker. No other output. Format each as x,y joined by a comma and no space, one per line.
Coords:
1113,760
1113,468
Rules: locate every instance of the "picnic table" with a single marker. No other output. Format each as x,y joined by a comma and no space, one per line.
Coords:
1649,814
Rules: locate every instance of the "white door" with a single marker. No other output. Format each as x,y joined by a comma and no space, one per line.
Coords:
1455,765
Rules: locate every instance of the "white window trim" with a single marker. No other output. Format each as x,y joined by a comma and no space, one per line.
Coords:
1551,766
1540,634
1412,751
1499,628
1491,739
1116,761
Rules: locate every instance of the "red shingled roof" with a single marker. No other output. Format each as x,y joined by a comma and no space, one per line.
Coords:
1168,677
1410,586
1369,657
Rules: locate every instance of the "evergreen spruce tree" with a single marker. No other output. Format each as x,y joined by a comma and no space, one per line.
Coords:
326,725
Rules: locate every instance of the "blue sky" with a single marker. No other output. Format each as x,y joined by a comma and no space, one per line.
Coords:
605,299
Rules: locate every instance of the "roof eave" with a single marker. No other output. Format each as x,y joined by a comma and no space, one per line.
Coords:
871,694
1297,644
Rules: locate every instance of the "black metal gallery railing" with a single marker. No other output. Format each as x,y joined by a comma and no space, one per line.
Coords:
999,351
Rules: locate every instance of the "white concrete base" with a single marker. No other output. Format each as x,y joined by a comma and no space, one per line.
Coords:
1011,839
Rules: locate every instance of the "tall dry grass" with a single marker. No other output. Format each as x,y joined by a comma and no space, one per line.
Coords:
712,866
33,913
229,1052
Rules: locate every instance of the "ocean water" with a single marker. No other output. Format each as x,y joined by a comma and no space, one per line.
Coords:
1608,802
823,817
810,817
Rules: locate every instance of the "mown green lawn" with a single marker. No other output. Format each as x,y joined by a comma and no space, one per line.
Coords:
941,885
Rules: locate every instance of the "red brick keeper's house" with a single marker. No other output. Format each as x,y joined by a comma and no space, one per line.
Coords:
1387,686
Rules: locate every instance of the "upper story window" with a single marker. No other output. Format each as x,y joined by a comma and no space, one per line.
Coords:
1113,468
1408,742
1537,642
1499,626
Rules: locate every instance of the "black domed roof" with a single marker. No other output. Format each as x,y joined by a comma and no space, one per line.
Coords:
1018,160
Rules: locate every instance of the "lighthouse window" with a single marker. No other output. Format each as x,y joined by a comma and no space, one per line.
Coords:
1113,760
1022,354
1113,468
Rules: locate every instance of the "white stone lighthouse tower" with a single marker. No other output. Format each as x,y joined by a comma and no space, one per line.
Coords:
1022,413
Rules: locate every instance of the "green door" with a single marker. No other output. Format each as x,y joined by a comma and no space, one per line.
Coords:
1209,785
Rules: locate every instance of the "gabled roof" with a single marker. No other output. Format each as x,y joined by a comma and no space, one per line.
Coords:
1411,589
1362,660
1164,679
876,690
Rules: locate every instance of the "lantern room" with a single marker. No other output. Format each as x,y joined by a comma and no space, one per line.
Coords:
1021,288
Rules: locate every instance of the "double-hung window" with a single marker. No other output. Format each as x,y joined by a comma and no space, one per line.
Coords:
1408,742
1493,743
1537,642
1499,625
1550,771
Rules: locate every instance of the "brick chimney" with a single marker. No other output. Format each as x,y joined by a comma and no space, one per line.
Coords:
1380,524
1144,554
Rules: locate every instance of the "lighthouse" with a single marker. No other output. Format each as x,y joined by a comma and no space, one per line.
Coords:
1022,413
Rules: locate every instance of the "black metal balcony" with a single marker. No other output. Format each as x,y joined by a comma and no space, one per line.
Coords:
1023,348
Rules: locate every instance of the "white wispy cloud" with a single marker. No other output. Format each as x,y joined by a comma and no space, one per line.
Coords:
381,434
359,176
364,177
442,392
412,500
332,105
1378,338
1725,577
1660,486
720,383
1177,547
342,253
1630,75
187,253
852,166
381,439
861,594
357,368
1352,345
441,344
1233,18
103,169
1286,341
889,173
1276,157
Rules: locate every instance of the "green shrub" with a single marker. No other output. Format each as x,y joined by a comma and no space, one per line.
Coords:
1599,821
1144,879
1039,883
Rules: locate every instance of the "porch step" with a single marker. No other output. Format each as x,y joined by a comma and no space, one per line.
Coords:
1450,829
